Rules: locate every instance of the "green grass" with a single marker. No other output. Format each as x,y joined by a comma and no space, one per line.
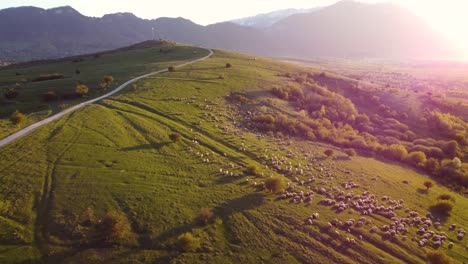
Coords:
123,65
116,155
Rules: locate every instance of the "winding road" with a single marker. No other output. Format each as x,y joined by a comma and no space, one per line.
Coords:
34,126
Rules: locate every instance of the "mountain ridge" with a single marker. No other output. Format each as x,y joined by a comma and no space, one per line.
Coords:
345,29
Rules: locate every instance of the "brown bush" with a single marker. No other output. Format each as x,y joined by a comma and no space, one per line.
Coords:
205,215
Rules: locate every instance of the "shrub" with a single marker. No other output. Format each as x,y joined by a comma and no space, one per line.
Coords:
108,80
11,94
81,90
171,69
17,118
395,152
275,184
437,257
116,229
417,158
175,137
188,243
134,87
350,152
328,152
428,184
432,165
251,170
50,96
77,71
442,208
228,65
205,215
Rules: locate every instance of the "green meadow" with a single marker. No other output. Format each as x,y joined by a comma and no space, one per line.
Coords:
62,185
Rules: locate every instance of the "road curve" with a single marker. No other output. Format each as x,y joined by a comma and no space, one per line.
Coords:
34,126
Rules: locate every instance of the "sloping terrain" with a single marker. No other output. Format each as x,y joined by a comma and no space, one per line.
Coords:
111,183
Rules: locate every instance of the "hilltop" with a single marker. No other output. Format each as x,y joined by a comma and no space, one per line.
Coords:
234,159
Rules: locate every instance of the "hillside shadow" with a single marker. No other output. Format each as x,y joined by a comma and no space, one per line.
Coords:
224,210
146,146
247,202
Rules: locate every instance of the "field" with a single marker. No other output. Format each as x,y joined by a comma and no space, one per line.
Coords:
87,69
58,184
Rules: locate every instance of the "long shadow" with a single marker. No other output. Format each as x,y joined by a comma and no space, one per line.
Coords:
224,210
146,146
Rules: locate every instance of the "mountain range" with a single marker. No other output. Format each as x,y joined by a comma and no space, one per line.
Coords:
345,29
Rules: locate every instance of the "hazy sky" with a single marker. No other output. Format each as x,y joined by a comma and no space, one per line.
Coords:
447,16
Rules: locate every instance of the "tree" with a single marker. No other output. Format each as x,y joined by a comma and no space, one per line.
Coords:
275,184
428,184
432,165
175,137
206,215
328,152
11,94
171,69
228,65
395,152
106,82
188,243
350,152
134,87
251,170
417,158
81,90
437,257
116,229
18,118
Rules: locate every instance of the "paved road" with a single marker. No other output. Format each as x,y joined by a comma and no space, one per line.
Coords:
34,126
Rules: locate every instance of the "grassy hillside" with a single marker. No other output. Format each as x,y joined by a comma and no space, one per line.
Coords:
90,70
106,184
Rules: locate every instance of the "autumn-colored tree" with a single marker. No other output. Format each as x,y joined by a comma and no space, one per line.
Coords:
428,184
275,184
81,90
175,137
328,152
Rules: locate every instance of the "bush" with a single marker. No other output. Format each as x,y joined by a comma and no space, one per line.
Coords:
442,208
50,96
188,243
437,257
275,184
228,65
205,215
171,69
432,165
328,152
350,152
134,87
116,230
417,158
18,118
251,170
428,184
11,94
81,90
175,137
395,152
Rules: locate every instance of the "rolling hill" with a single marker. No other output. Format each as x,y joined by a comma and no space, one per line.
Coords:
346,29
234,159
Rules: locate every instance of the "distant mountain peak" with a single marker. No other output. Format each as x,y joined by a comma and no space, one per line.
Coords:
63,10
